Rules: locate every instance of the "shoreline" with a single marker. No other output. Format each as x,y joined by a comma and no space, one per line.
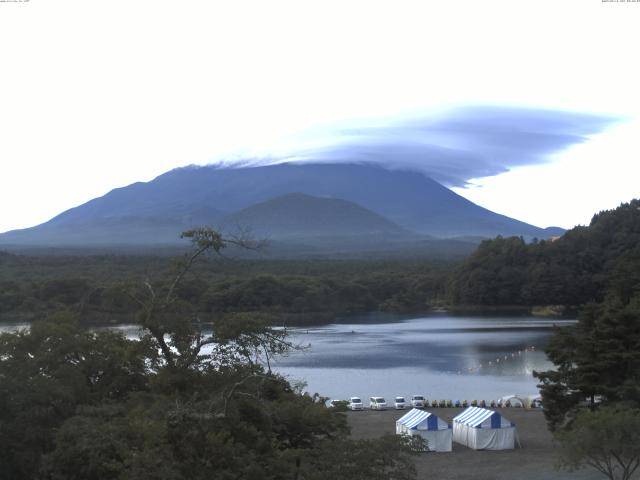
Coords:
316,319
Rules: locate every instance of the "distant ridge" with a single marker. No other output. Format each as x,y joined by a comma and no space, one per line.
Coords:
301,215
157,211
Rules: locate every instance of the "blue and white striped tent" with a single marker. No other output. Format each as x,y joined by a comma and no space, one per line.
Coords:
483,429
433,429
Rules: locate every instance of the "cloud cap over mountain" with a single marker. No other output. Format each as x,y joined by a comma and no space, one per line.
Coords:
452,146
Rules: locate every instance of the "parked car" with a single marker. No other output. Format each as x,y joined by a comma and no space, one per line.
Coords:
400,403
417,401
355,403
377,403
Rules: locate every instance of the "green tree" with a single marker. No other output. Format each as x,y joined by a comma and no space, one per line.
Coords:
597,359
606,439
183,402
50,370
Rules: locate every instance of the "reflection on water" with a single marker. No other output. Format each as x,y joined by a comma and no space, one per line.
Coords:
439,356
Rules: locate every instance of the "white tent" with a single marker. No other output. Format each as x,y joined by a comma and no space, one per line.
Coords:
514,401
482,429
434,430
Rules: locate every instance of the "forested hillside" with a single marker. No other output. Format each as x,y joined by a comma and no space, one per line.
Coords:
296,292
577,268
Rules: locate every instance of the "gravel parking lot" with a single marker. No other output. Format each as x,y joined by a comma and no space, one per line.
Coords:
535,460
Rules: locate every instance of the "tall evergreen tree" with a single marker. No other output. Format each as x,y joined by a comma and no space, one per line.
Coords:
597,360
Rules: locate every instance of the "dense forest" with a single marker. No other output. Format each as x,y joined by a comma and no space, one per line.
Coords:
298,291
580,267
591,396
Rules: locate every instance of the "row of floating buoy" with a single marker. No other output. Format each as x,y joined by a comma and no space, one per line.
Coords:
472,403
498,361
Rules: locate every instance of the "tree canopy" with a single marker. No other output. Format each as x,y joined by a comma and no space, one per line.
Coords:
578,268
596,361
605,440
180,402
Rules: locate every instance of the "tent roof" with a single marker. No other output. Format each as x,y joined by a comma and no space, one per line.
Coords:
475,416
415,417
512,397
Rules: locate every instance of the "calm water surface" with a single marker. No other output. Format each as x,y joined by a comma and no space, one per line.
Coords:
437,355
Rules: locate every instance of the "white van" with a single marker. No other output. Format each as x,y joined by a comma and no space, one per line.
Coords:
355,403
400,403
377,403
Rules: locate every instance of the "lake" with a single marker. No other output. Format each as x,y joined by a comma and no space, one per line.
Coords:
436,355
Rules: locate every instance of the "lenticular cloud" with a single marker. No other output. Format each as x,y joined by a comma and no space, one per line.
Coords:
452,147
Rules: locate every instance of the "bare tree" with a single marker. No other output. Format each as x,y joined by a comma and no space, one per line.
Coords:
176,329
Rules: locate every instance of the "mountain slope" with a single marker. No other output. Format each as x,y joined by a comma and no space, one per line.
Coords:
301,215
204,195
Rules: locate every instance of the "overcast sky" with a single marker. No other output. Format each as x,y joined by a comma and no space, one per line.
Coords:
530,108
